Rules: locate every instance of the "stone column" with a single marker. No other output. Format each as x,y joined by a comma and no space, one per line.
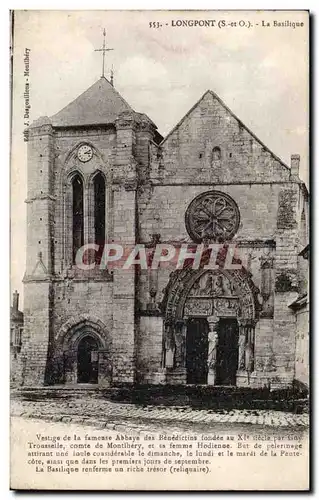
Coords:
174,352
212,349
242,342
250,348
89,212
180,342
169,346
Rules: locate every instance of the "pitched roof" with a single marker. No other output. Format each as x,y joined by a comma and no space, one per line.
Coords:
99,104
233,115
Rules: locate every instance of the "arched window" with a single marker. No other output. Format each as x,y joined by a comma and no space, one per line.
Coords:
99,211
77,211
216,154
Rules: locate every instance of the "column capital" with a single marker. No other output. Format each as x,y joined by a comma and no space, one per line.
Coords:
180,322
212,321
168,323
248,322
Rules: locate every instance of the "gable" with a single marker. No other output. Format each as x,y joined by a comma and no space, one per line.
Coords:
210,144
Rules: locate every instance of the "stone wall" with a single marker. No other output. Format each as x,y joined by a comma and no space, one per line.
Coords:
37,333
73,298
163,210
302,346
15,351
149,348
40,200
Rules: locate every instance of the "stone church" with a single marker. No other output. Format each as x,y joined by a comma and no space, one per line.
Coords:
100,172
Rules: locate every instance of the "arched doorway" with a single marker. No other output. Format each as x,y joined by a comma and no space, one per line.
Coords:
226,301
84,352
87,361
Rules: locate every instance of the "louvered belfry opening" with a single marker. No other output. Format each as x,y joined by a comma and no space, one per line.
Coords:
78,219
99,213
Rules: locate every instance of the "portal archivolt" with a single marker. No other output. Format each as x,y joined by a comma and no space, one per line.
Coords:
223,293
213,312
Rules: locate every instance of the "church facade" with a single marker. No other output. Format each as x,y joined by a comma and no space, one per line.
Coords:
100,172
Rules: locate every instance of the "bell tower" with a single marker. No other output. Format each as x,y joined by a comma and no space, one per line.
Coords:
85,166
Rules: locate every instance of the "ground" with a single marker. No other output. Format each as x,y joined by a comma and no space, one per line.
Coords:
99,412
251,434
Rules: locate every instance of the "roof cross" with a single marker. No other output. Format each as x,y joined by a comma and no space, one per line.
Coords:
103,50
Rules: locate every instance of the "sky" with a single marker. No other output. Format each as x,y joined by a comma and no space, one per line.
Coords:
261,73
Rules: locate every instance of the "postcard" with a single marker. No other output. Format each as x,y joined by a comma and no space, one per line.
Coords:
160,250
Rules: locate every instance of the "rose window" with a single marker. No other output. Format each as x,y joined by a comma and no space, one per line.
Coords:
212,216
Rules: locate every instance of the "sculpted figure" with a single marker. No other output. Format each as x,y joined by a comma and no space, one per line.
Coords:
169,349
208,286
229,287
179,348
212,349
249,358
196,288
241,350
219,286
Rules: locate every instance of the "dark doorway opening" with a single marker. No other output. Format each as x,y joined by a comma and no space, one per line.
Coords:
88,361
227,352
197,351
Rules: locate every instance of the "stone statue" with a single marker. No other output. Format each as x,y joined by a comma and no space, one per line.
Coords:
229,287
196,288
169,349
179,346
208,286
241,350
249,358
212,349
219,286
